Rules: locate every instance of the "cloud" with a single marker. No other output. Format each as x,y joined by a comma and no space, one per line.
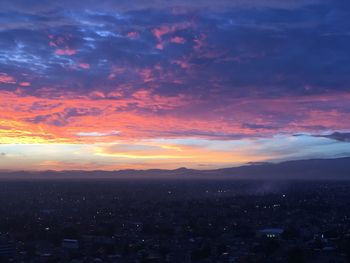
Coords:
24,84
97,134
62,118
84,65
123,5
229,70
338,136
242,51
177,40
65,52
147,115
6,79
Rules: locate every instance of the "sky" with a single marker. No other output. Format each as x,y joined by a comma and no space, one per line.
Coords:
108,85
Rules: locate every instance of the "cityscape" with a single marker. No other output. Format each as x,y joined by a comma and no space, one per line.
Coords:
174,221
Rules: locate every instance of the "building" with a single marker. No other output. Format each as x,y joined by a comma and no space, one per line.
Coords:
70,243
270,232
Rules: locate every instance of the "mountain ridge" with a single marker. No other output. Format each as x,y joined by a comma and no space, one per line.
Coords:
332,168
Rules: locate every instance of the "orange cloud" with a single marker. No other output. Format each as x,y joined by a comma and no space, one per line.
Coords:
153,154
26,119
118,136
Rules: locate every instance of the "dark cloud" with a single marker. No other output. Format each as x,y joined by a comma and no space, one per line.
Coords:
258,126
62,118
201,134
125,5
338,136
240,51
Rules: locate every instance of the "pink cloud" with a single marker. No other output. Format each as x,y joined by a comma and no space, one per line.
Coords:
6,79
160,46
133,35
136,115
65,52
163,30
200,41
97,95
146,74
183,63
60,43
24,84
178,40
84,65
115,94
115,71
167,29
147,100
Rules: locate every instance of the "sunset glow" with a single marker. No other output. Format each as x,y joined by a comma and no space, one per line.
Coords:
184,83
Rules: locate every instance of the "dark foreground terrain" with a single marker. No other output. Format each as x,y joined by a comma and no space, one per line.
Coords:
202,220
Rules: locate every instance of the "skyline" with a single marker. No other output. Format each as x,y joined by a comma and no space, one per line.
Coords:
105,85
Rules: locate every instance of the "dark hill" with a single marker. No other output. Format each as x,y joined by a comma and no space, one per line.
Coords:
332,169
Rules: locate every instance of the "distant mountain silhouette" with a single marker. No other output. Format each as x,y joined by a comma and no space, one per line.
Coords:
311,169
301,169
